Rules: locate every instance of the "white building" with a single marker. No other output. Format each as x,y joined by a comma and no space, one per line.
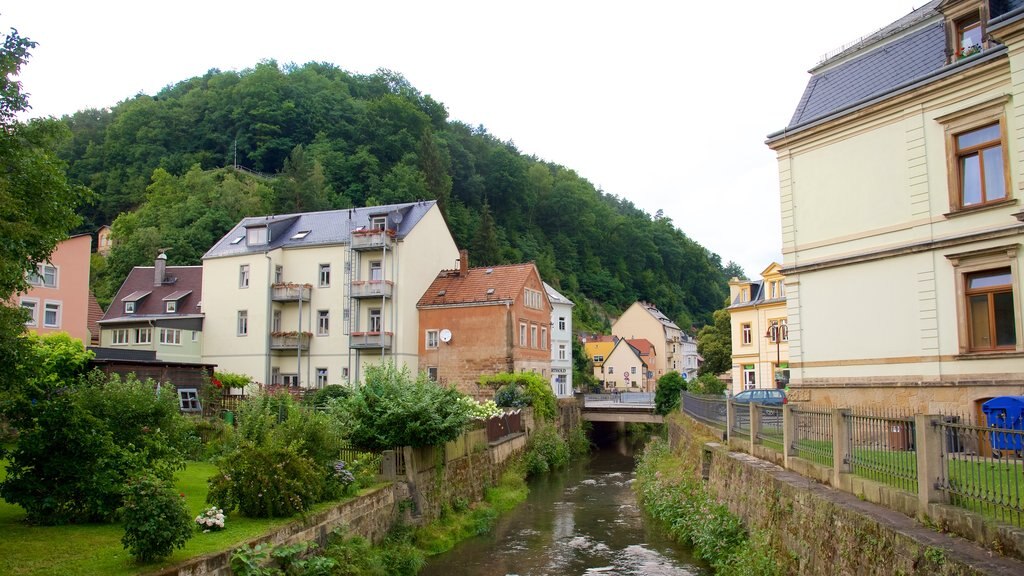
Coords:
561,342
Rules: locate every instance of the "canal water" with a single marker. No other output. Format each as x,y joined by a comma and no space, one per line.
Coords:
584,520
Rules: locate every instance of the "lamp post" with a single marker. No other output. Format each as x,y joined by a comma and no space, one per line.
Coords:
777,331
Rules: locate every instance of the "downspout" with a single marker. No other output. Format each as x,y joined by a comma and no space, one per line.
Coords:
270,308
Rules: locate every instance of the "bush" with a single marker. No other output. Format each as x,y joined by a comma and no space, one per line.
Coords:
156,520
706,384
667,394
524,389
267,480
327,395
546,450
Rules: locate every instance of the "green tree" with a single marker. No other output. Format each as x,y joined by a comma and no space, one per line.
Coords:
714,343
582,367
486,250
667,393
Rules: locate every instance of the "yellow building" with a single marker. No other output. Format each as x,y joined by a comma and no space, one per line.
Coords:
900,180
598,351
760,332
644,320
310,299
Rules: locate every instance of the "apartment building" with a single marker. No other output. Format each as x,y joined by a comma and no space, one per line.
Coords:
561,342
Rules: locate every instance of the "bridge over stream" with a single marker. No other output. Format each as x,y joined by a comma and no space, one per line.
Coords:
623,407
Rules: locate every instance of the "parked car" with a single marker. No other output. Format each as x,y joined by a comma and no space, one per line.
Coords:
772,397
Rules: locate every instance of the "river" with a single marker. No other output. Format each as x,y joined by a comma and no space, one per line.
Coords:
584,520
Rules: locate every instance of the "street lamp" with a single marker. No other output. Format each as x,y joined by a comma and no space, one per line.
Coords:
777,331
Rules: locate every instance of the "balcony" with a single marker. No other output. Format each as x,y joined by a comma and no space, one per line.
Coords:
372,289
370,340
372,239
290,292
290,340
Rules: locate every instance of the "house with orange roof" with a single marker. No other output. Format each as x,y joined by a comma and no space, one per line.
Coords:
476,321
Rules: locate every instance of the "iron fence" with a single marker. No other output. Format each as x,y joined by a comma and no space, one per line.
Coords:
812,438
741,419
882,447
708,409
983,469
769,426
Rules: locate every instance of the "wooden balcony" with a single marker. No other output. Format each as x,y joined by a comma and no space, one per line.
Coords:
290,341
372,239
290,292
372,289
370,340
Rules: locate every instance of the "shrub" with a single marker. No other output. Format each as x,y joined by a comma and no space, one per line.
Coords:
546,450
156,520
578,441
523,389
266,480
706,384
511,396
667,394
327,395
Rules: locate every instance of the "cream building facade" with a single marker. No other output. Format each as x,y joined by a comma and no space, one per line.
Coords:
760,331
561,342
644,320
900,178
311,299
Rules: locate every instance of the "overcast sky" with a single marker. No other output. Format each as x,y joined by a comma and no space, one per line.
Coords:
666,104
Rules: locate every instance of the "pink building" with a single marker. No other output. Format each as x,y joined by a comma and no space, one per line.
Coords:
58,300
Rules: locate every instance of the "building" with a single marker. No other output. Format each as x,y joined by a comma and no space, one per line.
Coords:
157,309
628,366
598,348
58,297
476,321
104,241
691,360
561,342
900,177
643,320
760,331
310,299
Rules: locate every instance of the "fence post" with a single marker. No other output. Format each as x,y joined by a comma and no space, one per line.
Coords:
842,463
755,424
730,420
788,434
928,438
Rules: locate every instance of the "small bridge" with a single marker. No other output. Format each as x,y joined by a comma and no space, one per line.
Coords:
624,407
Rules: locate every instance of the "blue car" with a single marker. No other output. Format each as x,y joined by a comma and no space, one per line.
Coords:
770,397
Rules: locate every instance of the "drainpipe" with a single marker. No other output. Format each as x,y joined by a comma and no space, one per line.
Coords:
270,307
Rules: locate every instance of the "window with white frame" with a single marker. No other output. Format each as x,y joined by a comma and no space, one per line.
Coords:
561,352
171,336
321,377
533,336
375,320
171,307
532,299
129,307
143,335
278,274
188,400
378,223
746,334
598,358
543,338
344,373
243,322
51,315
32,307
119,336
44,275
522,334
256,236
275,325
325,275
432,339
323,322
561,322
243,276
432,373
376,271
291,380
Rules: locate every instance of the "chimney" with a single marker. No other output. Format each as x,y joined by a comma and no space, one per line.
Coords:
159,270
463,262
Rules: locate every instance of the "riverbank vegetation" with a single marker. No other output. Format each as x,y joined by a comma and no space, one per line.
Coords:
674,495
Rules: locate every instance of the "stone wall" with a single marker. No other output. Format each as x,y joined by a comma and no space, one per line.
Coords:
819,530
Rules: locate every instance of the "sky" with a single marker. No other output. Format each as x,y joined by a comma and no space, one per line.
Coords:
666,104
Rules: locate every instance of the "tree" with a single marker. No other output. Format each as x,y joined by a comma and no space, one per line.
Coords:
734,270
667,394
582,368
714,343
486,250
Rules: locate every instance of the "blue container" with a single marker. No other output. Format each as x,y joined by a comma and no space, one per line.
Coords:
1005,413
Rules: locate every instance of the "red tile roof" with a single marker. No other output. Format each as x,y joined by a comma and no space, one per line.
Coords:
94,315
479,285
643,345
140,280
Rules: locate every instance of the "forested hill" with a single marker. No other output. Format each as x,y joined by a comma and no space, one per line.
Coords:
316,137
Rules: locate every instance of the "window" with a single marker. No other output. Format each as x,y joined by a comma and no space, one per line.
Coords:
275,375
256,236
982,171
988,317
778,331
533,336
968,35
276,322
561,322
522,334
749,376
51,315
32,307
543,338
143,335
188,400
321,377
325,275
561,352
195,336
375,323
119,336
278,274
432,373
291,380
237,240
171,307
632,370
129,307
243,322
243,276
532,299
344,373
301,234
378,223
376,271
44,275
598,358
432,338
170,336
746,334
323,323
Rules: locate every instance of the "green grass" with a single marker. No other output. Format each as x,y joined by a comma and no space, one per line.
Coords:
96,548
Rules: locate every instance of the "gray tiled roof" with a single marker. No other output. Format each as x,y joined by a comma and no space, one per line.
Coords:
555,296
325,228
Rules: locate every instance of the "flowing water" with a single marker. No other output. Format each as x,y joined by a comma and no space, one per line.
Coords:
584,520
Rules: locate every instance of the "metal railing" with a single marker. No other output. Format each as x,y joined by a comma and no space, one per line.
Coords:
708,409
633,398
769,426
882,447
984,470
812,438
740,420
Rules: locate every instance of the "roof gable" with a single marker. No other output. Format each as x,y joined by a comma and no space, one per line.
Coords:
482,286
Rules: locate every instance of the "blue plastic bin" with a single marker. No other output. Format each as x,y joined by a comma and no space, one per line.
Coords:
1005,413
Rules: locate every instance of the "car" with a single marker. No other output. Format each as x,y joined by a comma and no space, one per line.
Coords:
771,397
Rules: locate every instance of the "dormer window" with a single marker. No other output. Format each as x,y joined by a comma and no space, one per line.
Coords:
968,35
378,223
129,307
171,307
256,236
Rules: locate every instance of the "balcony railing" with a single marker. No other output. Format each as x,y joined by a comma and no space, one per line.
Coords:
290,292
372,288
369,340
371,239
289,341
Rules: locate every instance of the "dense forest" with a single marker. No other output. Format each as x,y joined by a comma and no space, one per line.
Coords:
314,137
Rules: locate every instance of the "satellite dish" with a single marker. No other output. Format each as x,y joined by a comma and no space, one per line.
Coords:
396,216
445,335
